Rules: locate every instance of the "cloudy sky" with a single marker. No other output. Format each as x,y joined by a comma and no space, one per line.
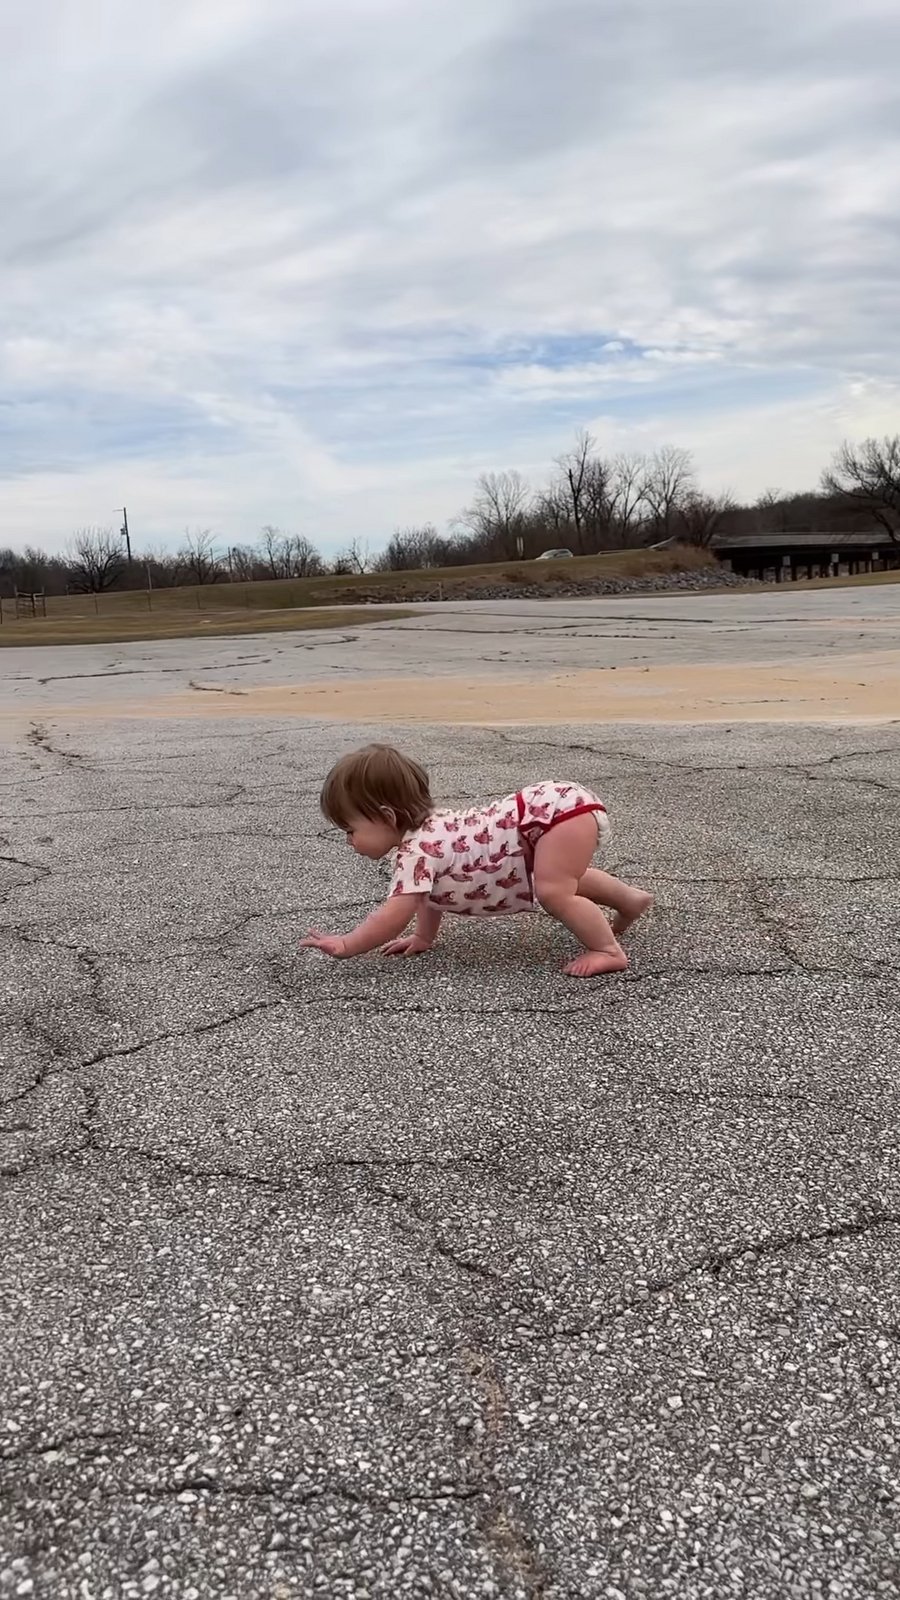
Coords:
320,262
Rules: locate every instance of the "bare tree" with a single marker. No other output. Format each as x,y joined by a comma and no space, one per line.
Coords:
28,570
597,506
551,508
288,555
301,557
353,558
197,559
579,498
702,516
575,471
95,560
769,511
587,487
496,516
243,563
410,549
667,484
626,498
867,477
271,541
154,563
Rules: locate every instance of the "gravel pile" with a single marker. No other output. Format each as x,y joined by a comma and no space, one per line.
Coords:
566,588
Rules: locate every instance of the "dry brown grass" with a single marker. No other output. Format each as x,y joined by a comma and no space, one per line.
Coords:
176,623
276,604
860,580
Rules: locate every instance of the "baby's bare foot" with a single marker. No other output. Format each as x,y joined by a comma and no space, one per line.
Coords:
594,962
639,901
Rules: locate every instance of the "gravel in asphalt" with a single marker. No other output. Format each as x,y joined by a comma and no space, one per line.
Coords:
454,1277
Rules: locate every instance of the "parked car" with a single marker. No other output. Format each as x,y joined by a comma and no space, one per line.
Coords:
554,555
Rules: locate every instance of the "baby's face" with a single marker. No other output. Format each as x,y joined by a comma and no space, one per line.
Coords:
373,837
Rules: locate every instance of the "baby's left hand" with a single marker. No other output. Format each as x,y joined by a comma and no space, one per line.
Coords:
330,944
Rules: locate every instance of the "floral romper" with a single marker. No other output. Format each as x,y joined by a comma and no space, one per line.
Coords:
479,863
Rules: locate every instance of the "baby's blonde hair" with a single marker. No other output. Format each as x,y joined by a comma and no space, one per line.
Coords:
373,780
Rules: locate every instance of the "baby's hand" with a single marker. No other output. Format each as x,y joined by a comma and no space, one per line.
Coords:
330,944
411,946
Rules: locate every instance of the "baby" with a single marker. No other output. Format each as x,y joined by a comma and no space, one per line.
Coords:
532,849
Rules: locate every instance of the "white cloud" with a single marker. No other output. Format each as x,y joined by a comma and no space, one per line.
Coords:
322,262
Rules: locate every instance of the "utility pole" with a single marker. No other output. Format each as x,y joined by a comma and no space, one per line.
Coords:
125,534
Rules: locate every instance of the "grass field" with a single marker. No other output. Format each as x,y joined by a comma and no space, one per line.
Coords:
179,623
859,580
279,604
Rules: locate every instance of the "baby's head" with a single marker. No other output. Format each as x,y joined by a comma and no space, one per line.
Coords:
375,796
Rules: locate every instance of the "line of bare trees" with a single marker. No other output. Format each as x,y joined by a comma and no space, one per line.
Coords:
592,502
95,560
595,503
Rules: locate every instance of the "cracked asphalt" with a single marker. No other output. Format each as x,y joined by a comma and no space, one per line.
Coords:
505,639
456,1277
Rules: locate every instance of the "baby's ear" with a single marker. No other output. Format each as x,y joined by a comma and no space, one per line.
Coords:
390,816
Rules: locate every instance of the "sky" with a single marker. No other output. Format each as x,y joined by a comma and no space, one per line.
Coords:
320,263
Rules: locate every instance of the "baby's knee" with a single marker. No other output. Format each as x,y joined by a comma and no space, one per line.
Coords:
551,893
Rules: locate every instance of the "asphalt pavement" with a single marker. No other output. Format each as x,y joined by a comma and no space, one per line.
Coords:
485,639
452,1277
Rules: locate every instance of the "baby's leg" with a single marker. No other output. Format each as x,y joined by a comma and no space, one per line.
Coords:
626,902
561,859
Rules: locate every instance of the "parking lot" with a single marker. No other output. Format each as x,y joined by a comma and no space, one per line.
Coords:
453,1277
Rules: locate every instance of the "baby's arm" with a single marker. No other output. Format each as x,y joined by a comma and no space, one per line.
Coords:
385,924
428,922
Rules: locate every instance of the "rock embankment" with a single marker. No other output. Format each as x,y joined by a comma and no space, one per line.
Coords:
574,588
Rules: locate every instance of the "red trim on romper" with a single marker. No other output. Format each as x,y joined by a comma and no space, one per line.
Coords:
561,816
545,827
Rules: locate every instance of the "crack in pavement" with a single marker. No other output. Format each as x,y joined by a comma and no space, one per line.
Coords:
436,1234
422,623
101,1057
56,1048
214,688
793,968
393,1006
805,767
774,926
294,835
205,1483
365,1003
169,1162
171,953
39,739
272,1489
235,793
92,1145
33,1450
740,882
33,866
194,1032
120,846
713,1262
141,672
725,1098
438,1244
502,1523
